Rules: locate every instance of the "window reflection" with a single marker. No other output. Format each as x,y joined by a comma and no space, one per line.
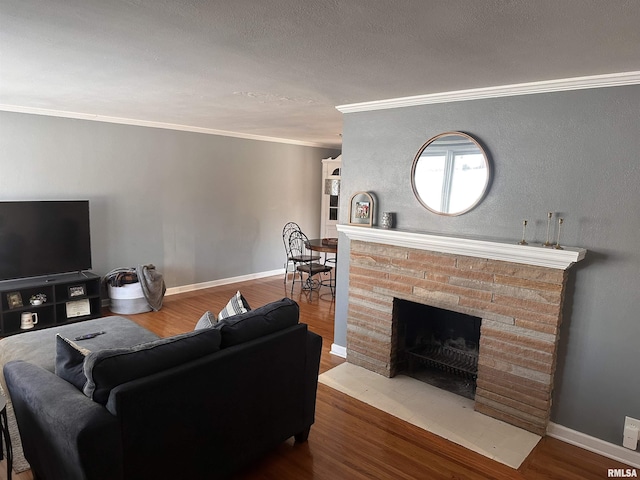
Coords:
450,174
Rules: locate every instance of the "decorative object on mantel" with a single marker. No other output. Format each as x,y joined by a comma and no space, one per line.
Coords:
548,243
362,209
557,245
524,229
450,174
386,221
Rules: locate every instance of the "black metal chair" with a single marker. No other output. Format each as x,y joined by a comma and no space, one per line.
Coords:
298,246
297,258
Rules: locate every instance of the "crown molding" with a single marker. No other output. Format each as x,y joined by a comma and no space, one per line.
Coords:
531,88
152,124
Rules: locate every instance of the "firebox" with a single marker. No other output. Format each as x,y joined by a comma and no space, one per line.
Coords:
438,346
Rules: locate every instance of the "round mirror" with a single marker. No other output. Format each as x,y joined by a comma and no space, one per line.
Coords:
450,174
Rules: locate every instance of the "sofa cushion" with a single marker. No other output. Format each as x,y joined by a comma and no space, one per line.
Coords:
70,361
259,322
106,369
237,305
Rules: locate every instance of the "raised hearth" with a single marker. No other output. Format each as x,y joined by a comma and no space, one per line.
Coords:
518,291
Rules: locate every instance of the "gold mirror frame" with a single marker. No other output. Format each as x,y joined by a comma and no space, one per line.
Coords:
446,148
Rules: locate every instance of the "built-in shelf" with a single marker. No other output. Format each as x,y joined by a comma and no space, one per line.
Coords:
532,254
70,297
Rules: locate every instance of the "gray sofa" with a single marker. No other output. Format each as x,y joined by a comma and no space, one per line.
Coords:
199,405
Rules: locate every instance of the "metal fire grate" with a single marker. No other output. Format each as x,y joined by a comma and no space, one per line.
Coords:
448,359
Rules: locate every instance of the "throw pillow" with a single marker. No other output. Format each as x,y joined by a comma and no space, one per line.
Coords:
70,361
207,320
237,305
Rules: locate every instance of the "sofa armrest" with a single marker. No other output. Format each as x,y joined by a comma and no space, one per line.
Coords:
64,434
312,368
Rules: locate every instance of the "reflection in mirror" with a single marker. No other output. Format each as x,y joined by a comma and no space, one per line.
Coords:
450,174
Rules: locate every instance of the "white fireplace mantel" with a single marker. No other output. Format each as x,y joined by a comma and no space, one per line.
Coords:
532,254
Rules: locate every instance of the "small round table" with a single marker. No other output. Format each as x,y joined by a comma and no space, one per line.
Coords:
4,426
325,245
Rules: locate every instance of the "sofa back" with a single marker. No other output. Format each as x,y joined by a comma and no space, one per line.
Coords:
218,412
257,323
105,369
215,414
97,373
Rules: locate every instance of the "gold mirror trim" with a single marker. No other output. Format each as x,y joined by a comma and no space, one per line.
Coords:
485,187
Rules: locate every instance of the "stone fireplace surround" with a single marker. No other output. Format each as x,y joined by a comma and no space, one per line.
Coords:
517,290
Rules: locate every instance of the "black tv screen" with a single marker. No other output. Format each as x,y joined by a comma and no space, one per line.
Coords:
39,238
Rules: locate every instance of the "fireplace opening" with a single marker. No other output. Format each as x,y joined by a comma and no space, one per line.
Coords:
438,346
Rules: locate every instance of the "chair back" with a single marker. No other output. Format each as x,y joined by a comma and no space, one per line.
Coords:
298,242
288,229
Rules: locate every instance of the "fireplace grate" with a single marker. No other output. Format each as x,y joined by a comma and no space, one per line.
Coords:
449,359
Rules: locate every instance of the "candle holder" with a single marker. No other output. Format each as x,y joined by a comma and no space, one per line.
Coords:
548,243
387,220
557,245
524,229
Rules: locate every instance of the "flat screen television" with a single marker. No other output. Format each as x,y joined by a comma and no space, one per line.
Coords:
39,238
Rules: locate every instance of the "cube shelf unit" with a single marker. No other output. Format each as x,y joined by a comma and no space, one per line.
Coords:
68,296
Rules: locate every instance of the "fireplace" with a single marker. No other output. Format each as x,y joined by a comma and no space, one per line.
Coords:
438,346
517,292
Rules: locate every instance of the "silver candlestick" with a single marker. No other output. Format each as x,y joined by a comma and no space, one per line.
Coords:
548,243
524,229
557,245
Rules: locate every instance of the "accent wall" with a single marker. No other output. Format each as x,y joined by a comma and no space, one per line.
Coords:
574,153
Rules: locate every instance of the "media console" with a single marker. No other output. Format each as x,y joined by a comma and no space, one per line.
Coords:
70,297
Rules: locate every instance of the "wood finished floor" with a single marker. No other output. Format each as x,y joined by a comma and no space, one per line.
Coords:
350,439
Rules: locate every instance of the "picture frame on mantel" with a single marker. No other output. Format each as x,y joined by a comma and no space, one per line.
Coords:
362,209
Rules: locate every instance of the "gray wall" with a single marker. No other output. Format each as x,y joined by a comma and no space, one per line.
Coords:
573,153
200,207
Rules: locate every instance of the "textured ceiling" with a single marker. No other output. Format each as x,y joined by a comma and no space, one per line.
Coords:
277,68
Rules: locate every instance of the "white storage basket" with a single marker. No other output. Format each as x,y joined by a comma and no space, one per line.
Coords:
128,299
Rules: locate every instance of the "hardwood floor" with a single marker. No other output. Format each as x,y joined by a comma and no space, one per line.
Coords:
350,439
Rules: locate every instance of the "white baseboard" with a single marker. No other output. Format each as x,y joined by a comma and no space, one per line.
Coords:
338,350
222,281
595,445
